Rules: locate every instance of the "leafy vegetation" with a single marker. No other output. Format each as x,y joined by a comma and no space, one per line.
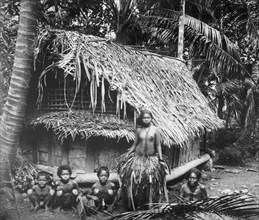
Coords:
222,38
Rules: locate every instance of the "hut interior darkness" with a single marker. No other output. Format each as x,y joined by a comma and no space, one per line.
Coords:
90,91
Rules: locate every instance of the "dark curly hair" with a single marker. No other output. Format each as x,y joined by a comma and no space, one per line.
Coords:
140,117
43,173
196,171
103,168
64,167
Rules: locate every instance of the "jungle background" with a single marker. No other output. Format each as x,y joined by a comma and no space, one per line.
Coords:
220,47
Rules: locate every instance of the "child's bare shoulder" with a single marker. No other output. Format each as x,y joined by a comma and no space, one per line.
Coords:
202,186
184,185
35,187
95,185
73,181
48,187
112,184
58,183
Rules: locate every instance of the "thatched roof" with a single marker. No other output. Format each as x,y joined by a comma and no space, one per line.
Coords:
85,124
142,79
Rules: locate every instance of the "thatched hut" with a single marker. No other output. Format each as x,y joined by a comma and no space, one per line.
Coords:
90,91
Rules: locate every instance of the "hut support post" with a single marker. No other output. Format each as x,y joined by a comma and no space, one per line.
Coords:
34,152
50,148
205,140
65,152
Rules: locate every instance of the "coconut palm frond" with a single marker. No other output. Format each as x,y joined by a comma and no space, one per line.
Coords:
242,16
202,3
252,32
222,61
212,35
235,205
200,9
228,87
163,13
249,83
165,18
163,36
219,51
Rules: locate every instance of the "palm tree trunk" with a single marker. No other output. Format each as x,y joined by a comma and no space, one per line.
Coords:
14,108
181,30
220,106
255,74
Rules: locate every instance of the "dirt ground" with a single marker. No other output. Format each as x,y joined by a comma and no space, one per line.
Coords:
222,180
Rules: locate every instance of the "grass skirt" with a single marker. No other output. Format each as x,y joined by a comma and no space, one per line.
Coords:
143,179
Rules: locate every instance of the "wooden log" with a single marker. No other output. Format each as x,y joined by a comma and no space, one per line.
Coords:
181,170
175,173
90,178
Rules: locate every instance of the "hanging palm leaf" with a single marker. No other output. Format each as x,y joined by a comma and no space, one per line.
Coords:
229,207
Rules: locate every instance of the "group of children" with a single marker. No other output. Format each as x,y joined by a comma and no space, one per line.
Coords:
65,193
103,195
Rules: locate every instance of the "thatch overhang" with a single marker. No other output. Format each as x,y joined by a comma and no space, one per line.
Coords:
84,124
142,79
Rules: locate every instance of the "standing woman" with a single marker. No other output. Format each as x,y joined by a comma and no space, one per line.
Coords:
142,169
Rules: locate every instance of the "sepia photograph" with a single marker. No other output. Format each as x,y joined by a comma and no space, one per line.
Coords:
129,109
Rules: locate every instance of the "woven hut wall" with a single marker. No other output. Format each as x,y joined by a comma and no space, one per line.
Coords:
179,156
60,95
189,152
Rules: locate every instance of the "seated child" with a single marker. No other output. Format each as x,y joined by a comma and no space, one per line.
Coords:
41,194
67,190
193,190
103,195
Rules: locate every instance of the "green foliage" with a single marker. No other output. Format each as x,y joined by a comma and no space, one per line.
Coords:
90,17
234,146
7,46
223,138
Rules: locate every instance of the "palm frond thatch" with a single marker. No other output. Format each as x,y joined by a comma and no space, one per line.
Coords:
235,206
85,124
142,79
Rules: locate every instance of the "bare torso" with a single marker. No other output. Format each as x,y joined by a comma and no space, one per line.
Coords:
106,192
146,144
67,187
42,192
